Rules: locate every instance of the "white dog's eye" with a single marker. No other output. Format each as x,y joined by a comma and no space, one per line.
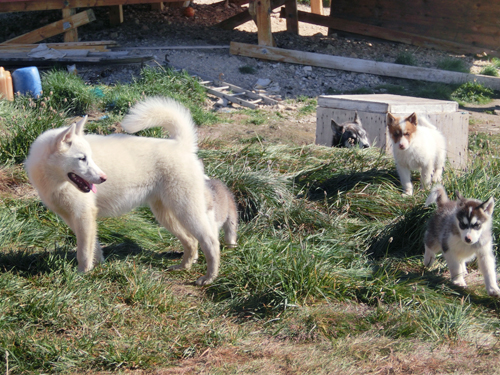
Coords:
83,158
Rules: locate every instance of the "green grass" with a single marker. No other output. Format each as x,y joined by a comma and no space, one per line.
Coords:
489,71
405,58
329,260
452,64
472,92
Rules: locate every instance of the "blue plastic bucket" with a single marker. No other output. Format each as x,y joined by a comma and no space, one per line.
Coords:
27,81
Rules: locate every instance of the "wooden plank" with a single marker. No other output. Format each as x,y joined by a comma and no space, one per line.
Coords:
263,20
472,22
361,66
72,34
93,46
291,15
55,28
26,6
384,33
317,7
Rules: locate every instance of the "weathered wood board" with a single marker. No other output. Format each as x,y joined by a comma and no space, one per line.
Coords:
472,22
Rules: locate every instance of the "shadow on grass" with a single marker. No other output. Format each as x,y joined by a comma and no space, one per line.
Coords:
344,182
27,263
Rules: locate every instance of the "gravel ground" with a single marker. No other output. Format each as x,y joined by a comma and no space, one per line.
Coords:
146,28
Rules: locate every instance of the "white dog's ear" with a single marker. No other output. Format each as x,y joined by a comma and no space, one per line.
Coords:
412,119
391,120
65,139
80,124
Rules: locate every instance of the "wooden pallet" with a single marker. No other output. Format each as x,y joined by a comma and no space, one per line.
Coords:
235,94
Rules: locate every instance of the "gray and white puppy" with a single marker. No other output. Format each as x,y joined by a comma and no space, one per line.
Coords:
350,134
461,229
222,206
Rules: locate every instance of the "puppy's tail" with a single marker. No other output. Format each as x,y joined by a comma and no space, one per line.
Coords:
164,112
438,195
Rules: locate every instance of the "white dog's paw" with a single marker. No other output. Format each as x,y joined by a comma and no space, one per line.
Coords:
460,282
178,267
494,292
204,280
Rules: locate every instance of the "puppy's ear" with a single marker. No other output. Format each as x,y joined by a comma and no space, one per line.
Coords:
458,195
80,124
488,206
356,118
391,120
412,119
65,139
337,128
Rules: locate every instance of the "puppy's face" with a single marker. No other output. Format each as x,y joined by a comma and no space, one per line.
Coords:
472,217
402,130
350,134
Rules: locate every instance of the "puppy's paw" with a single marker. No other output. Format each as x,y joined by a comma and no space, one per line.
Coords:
205,280
494,292
460,283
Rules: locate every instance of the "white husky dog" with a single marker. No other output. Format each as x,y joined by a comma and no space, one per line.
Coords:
417,144
64,164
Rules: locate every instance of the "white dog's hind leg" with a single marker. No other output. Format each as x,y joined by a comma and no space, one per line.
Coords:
425,177
486,261
189,243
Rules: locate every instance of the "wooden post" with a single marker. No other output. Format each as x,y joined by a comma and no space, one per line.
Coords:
70,35
292,18
263,20
317,7
115,15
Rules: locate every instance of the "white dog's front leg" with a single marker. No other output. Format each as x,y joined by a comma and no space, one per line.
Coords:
86,235
405,177
486,261
456,270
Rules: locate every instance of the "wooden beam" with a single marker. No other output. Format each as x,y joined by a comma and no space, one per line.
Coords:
361,66
291,15
115,15
241,18
72,34
55,28
34,5
387,34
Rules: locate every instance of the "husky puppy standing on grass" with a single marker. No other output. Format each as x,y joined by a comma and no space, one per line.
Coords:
417,144
461,229
349,134
64,165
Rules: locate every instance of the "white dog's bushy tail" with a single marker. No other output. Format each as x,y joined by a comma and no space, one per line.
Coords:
164,112
424,121
438,195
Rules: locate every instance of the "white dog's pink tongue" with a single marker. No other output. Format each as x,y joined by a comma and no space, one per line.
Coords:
93,188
